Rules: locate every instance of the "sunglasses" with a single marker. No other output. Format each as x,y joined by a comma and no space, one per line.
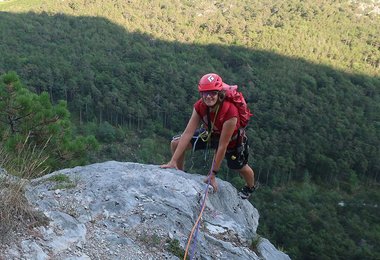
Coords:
209,93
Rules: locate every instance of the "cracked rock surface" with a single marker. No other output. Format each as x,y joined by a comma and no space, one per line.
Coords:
120,210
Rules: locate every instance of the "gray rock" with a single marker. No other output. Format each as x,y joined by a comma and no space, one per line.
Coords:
117,210
268,251
8,178
31,250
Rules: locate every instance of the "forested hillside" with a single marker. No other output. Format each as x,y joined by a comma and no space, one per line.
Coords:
310,70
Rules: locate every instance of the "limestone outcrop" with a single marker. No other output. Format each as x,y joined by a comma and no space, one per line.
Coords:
120,210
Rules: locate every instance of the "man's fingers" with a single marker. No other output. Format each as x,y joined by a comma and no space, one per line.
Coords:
165,166
214,186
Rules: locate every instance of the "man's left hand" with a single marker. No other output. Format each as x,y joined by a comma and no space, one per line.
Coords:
213,182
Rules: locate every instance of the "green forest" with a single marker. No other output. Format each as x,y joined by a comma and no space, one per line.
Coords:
92,80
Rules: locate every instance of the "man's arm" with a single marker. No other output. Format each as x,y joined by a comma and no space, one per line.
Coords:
187,135
184,141
225,138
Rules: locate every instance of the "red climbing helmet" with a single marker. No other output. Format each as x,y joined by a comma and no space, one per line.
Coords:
210,82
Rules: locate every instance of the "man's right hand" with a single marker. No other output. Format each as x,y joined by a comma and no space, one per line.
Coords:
170,164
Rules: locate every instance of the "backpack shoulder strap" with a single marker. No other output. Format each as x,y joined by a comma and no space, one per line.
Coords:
208,120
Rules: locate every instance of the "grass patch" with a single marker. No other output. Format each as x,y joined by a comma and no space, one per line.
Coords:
171,245
59,178
63,182
255,244
16,214
27,162
175,248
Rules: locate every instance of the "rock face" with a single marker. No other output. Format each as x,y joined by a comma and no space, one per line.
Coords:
116,210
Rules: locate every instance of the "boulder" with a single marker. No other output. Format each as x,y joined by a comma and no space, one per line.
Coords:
121,210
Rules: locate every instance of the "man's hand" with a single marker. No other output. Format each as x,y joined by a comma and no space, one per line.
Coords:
213,182
171,164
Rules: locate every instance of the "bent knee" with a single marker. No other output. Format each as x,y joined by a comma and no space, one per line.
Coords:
174,144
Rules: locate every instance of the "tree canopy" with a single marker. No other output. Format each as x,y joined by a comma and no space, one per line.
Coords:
307,78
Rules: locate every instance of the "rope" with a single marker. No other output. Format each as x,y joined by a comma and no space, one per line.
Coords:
205,136
203,206
196,225
196,137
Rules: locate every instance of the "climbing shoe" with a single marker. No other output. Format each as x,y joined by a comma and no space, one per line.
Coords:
246,192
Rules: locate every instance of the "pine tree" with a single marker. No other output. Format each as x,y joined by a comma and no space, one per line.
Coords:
28,118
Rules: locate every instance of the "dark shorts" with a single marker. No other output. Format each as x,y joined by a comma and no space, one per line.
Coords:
236,158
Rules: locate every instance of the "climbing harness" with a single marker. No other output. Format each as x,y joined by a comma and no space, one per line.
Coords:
205,135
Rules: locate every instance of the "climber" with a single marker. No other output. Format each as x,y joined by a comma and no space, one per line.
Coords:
222,132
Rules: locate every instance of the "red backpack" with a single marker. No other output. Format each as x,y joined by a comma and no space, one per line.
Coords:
238,100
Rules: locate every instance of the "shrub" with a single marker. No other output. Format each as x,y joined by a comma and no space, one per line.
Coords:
15,211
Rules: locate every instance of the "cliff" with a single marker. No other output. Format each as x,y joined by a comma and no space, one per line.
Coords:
117,210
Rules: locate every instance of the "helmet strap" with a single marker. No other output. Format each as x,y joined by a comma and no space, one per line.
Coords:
221,96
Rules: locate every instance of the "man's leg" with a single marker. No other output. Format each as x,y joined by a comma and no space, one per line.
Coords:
249,176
